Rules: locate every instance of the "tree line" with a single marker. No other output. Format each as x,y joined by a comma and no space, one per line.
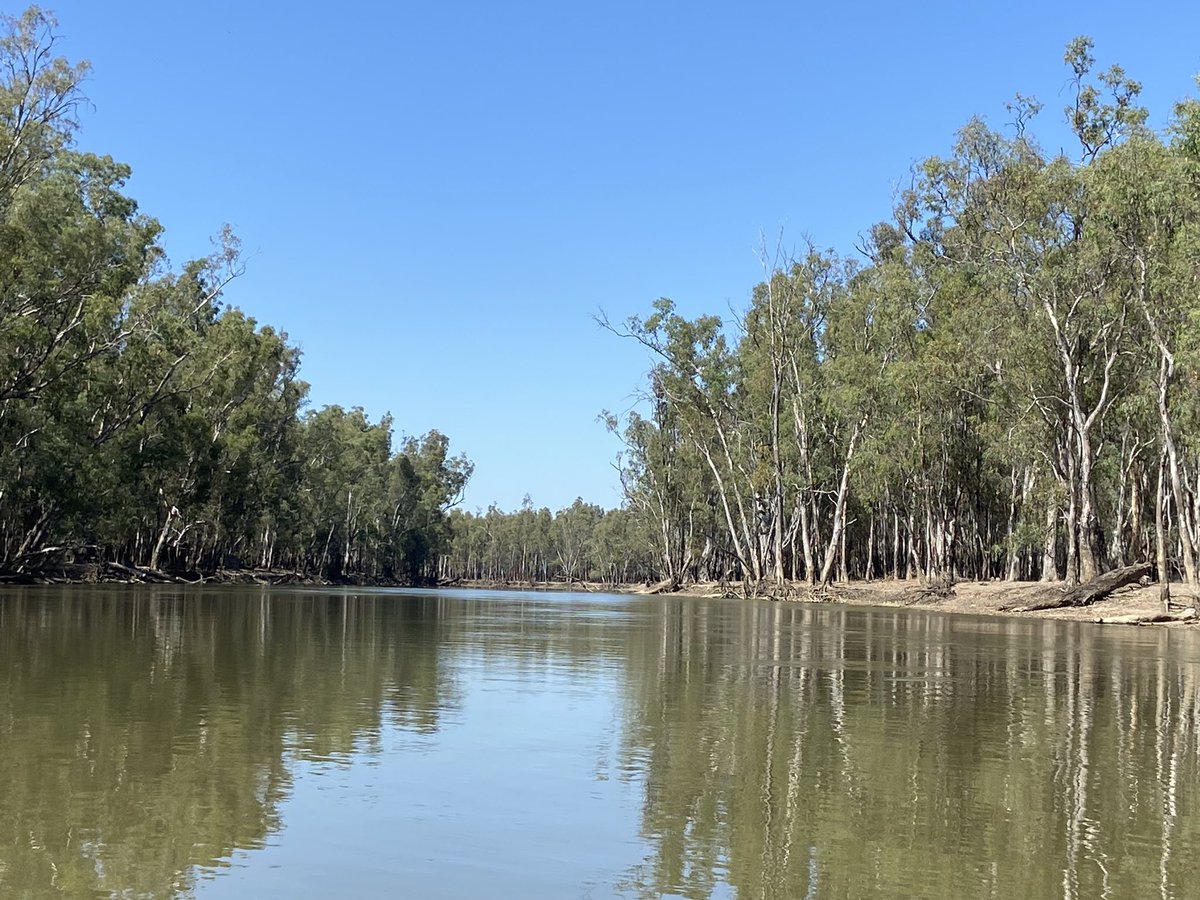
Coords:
147,425
1002,384
581,543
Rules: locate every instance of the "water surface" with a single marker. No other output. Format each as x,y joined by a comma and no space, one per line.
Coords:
312,743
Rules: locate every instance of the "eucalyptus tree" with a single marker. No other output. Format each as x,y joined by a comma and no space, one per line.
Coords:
990,393
74,248
72,243
580,543
621,549
573,531
40,94
144,422
666,483
1024,226
784,331
424,483
699,375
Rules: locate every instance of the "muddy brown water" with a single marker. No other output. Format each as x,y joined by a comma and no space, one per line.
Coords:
235,742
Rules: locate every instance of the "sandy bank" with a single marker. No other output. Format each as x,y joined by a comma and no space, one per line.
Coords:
990,598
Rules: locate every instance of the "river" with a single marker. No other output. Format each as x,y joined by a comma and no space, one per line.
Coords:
234,742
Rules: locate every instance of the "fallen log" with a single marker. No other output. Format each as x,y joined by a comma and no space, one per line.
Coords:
1185,615
667,586
1086,594
144,573
127,571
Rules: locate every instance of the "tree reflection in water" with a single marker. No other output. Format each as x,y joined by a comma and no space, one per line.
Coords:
147,734
764,750
797,751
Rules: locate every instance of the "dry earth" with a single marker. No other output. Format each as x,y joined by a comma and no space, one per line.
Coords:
992,598
987,598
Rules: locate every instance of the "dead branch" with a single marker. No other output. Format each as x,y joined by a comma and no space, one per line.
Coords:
1086,594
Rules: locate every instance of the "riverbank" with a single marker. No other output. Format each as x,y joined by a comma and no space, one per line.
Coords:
1128,605
1131,605
118,573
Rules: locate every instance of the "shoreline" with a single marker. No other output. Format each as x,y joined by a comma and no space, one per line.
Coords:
1131,605
1125,606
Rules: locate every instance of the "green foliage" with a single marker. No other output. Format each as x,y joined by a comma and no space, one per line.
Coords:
146,423
990,394
581,543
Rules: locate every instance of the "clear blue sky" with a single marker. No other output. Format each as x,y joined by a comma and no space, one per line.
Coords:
436,198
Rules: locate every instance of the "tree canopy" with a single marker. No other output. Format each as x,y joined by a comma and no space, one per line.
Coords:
148,425
1002,384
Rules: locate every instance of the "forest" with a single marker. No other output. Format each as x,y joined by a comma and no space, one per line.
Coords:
580,544
1000,383
150,430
